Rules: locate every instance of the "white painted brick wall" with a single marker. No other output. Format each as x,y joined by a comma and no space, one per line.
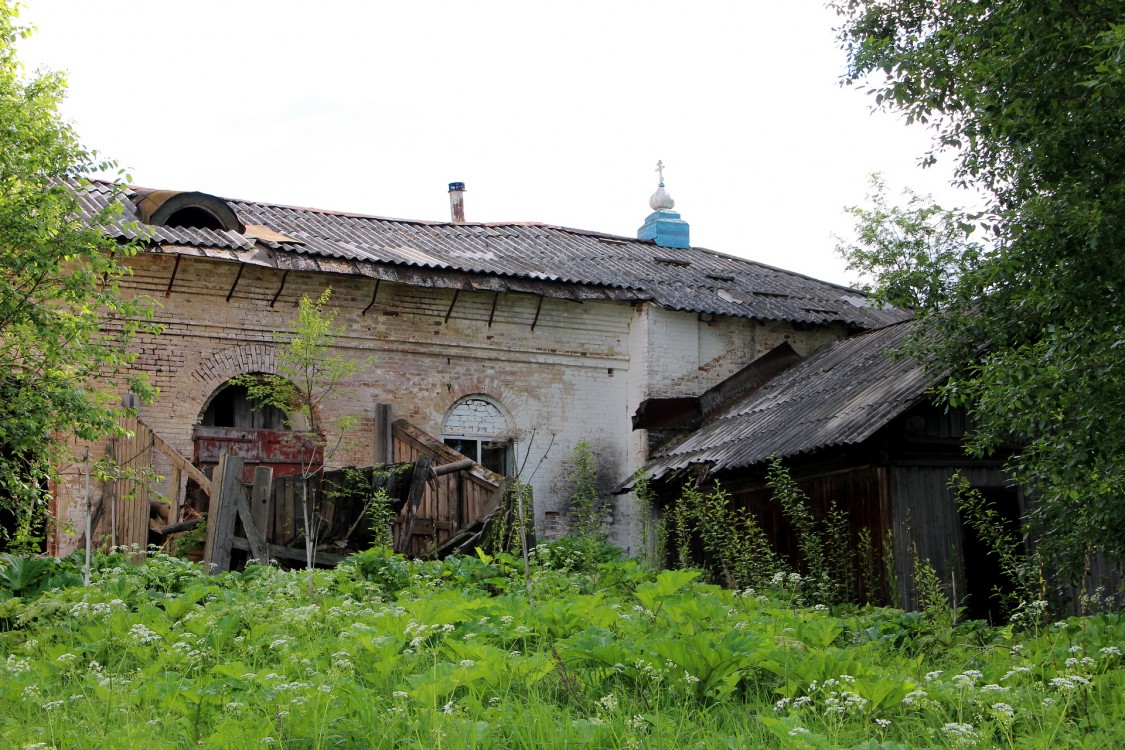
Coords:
476,417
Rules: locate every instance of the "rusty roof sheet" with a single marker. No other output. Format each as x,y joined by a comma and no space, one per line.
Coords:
539,258
840,395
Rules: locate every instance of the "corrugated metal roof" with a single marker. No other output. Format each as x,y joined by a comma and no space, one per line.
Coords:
550,258
842,394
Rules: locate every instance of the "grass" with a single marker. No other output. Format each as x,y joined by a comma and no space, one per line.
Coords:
389,653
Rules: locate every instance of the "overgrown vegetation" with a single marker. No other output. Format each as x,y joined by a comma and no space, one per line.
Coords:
730,538
589,512
368,487
1028,99
1022,568
654,537
311,378
393,653
823,570
59,284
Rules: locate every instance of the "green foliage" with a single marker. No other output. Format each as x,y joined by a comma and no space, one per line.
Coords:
652,545
680,529
190,540
1029,98
310,376
571,554
382,566
869,568
28,577
1023,571
735,545
380,515
889,568
368,487
821,586
393,653
589,511
840,553
933,601
909,256
59,284
506,533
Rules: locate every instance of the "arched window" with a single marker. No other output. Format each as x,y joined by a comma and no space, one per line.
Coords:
477,427
231,406
169,208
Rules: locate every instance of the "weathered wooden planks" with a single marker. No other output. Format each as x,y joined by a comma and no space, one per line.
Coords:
223,510
461,495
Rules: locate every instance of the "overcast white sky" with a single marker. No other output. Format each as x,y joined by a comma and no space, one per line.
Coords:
551,112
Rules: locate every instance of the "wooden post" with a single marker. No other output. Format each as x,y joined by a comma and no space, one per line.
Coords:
89,518
257,545
261,500
222,511
174,494
384,441
417,487
263,486
181,463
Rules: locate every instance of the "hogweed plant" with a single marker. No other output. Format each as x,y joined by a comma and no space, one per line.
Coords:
394,653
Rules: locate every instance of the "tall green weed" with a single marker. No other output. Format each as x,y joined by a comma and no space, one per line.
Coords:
395,653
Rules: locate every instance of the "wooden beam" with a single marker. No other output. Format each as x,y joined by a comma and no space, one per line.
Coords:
384,434
284,276
175,528
538,309
222,511
465,463
175,269
258,546
261,498
492,313
288,553
237,276
456,294
182,464
374,296
413,498
174,491
160,508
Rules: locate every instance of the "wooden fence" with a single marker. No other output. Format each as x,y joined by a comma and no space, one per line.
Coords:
446,502
130,498
455,506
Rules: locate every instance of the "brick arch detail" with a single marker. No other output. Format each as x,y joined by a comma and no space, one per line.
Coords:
207,379
486,388
505,414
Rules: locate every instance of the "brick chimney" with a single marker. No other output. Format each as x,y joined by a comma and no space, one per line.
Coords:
457,202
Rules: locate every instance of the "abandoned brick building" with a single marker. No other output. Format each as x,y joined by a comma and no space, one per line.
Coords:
510,342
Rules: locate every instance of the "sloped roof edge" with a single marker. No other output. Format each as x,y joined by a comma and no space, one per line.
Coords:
691,280
840,395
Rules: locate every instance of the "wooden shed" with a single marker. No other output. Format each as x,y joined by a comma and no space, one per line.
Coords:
855,427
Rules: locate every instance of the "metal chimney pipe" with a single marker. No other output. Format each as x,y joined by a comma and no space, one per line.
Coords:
457,202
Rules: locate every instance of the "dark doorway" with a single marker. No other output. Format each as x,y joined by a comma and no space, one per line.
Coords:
232,407
983,576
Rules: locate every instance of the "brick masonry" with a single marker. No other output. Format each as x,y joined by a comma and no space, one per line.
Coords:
579,375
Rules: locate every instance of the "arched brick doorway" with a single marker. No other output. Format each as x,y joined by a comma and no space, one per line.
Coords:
262,436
